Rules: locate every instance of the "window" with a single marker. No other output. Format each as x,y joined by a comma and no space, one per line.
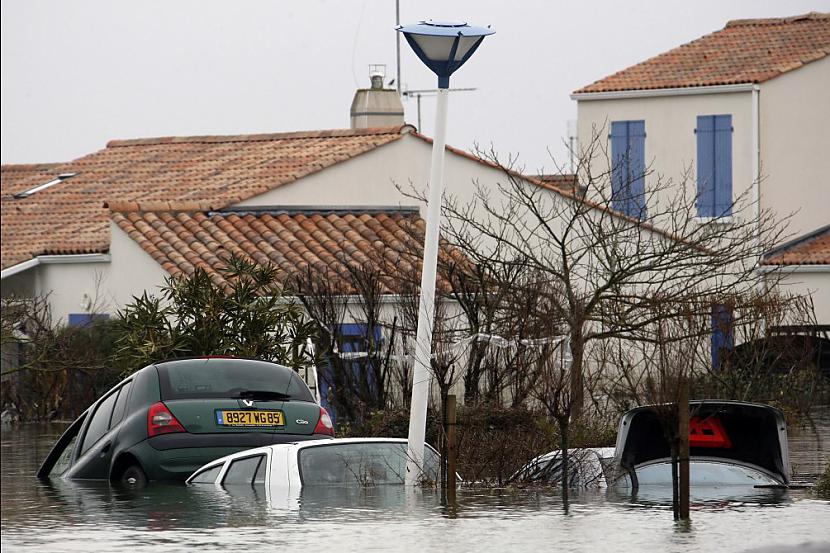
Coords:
63,461
628,167
100,422
226,378
354,341
57,180
360,463
207,476
250,471
723,336
120,404
714,165
86,319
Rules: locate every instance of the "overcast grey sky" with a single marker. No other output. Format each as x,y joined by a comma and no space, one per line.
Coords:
76,74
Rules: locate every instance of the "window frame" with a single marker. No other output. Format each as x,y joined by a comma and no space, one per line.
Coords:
264,457
83,448
129,385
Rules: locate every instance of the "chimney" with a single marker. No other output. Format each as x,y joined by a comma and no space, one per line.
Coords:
376,106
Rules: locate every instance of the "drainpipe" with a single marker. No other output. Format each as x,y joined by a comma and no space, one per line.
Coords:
756,179
756,164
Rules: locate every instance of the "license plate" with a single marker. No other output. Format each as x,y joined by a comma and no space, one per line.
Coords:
250,418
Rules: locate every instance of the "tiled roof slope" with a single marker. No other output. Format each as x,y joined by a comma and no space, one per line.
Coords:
324,241
745,51
812,249
219,170
20,177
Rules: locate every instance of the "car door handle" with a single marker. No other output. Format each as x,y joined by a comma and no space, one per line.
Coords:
105,449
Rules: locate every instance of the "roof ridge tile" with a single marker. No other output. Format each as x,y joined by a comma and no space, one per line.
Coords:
261,137
745,51
809,16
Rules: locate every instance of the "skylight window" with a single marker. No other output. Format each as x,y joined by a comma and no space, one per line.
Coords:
59,179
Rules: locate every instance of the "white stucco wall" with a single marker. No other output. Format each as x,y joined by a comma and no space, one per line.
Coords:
671,143
369,179
70,287
105,286
813,281
795,146
132,269
794,117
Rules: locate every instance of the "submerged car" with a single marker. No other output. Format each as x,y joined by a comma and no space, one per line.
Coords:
588,467
347,462
169,418
730,444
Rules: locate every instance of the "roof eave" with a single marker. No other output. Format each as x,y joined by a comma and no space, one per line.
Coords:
53,260
660,92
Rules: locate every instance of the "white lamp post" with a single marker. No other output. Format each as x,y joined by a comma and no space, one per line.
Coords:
443,47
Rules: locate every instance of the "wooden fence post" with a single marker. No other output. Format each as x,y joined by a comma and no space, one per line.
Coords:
683,453
451,448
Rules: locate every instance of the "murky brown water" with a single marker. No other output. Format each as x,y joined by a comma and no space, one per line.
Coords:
65,516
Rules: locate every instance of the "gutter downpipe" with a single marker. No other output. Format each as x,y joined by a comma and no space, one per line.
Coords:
756,163
756,176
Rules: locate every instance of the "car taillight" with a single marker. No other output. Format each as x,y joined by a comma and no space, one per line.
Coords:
161,421
324,425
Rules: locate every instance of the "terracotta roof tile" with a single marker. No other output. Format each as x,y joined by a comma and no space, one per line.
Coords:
389,242
810,249
745,51
197,173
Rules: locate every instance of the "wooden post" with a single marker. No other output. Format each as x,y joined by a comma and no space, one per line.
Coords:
451,451
683,453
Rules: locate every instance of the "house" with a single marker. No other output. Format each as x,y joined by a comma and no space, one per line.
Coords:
60,239
744,110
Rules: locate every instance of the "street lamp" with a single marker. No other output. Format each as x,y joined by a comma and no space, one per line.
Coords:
443,47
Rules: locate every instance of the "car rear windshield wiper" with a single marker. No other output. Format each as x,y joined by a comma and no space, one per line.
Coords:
262,395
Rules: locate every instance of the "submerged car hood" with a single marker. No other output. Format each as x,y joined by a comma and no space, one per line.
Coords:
750,434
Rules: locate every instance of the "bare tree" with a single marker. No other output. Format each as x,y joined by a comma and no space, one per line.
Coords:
598,275
52,370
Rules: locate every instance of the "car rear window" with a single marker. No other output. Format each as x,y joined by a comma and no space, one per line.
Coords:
364,464
207,476
249,470
225,378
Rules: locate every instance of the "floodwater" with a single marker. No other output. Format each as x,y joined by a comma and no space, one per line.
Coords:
66,516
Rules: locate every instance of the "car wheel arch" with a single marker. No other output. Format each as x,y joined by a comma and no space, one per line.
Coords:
122,463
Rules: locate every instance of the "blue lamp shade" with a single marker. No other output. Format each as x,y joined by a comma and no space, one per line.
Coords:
444,46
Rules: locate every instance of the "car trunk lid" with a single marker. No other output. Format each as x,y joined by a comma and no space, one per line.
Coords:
219,415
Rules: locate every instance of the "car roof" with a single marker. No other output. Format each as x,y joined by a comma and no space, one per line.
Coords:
302,445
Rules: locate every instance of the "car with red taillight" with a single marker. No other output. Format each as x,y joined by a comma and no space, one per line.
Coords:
169,418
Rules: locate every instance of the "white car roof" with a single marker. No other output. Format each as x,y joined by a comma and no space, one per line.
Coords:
301,445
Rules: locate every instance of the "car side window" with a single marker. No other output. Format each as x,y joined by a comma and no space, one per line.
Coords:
120,404
207,476
243,471
63,461
100,422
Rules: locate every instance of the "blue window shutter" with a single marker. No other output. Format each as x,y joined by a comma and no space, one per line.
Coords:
723,165
637,169
705,166
723,336
619,164
86,319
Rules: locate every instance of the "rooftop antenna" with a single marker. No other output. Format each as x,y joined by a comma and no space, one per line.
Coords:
429,92
398,48
572,138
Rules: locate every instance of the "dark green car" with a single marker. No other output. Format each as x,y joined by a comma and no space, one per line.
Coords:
170,418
